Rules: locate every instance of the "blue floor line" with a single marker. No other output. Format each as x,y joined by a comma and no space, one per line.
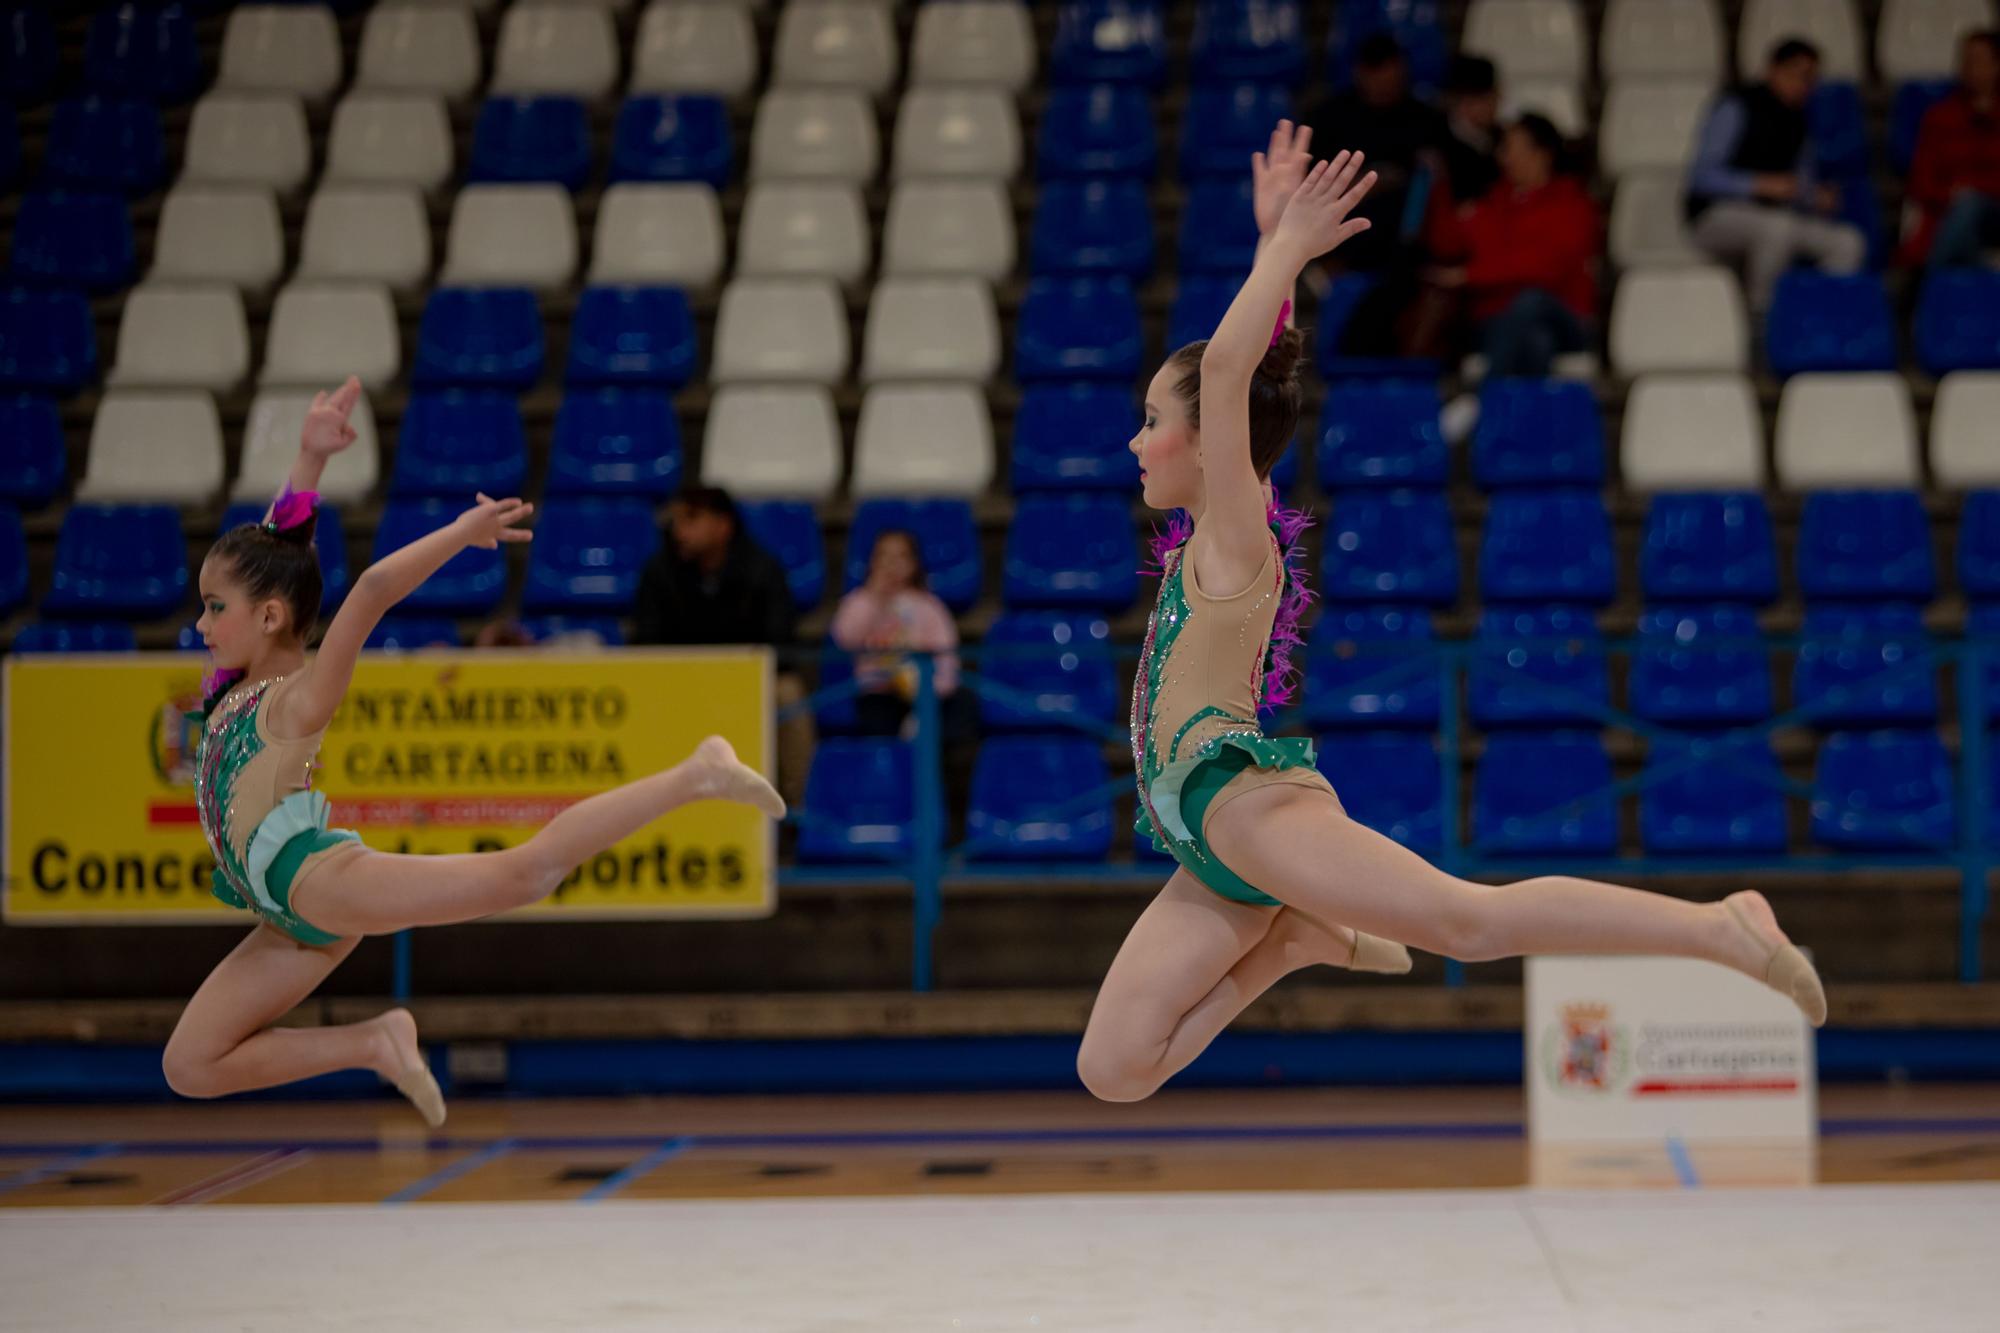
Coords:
462,1166
1677,1153
666,1152
77,1156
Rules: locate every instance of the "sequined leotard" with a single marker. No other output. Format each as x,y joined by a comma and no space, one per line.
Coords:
265,825
1196,742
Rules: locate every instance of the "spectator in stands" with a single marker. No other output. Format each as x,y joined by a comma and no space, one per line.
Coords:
1382,118
1525,256
1472,127
1955,177
894,613
711,583
1754,194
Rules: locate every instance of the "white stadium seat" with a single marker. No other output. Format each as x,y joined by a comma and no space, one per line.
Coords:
765,441
154,446
1683,319
1838,432
923,440
781,329
835,44
182,337
814,134
949,227
1831,25
271,444
420,49
1662,39
803,228
1528,39
248,139
391,139
1692,433
931,329
1962,417
989,43
292,49
220,233
1651,125
669,234
1918,39
367,233
1559,100
1649,221
695,48
511,236
323,332
972,132
546,48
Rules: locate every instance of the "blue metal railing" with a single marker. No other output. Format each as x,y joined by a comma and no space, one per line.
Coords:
931,864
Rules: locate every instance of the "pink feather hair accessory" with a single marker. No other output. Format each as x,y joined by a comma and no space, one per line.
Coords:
1284,314
291,509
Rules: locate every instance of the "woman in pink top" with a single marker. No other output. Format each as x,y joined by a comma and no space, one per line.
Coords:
892,614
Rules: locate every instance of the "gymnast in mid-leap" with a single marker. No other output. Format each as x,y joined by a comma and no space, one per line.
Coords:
318,890
1273,874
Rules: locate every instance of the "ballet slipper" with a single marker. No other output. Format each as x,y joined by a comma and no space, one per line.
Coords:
1787,971
727,778
415,1082
1374,954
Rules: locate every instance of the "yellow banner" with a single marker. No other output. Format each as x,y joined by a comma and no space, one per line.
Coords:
430,753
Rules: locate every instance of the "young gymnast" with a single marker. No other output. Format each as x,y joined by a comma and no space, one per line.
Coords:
1273,875
319,890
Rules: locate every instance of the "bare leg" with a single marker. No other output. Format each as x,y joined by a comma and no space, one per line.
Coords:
1298,847
1191,964
225,1043
377,893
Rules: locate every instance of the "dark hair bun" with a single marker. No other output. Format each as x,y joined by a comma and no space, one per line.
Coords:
1281,363
299,534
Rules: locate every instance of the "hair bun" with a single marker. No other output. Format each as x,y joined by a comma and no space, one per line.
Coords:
299,534
1281,363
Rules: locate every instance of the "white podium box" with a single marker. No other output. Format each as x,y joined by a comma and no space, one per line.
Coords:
1665,1071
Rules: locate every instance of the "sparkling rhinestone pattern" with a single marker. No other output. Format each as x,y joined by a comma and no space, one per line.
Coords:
229,740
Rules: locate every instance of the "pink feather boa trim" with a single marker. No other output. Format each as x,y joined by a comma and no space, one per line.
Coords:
1280,673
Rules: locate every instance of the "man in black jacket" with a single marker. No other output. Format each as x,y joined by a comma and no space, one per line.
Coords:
711,583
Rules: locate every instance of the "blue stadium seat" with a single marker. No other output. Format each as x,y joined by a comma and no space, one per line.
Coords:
1712,796
532,139
471,582
1372,666
1717,546
1838,124
1074,437
673,138
587,556
479,338
1417,25
1335,309
1682,677
616,442
73,240
119,562
1226,123
1548,546
1109,41
407,634
1072,551
789,530
48,340
633,336
1382,434
1883,791
1544,794
1243,41
606,628
143,50
1958,321
1078,328
1390,781
1860,207
456,443
97,143
1099,129
1039,798
1913,101
32,450
1398,546
1538,433
860,802
944,531
1102,226
75,636
1200,302
1828,322
1218,231
10,145
836,714
13,561
30,61
1982,624
1866,546
1063,665
1538,667
1978,543
1844,652
329,539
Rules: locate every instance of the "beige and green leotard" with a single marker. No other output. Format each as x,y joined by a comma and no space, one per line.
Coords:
1196,741
265,825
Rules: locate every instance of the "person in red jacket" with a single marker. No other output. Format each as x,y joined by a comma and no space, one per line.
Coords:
1524,257
1955,176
